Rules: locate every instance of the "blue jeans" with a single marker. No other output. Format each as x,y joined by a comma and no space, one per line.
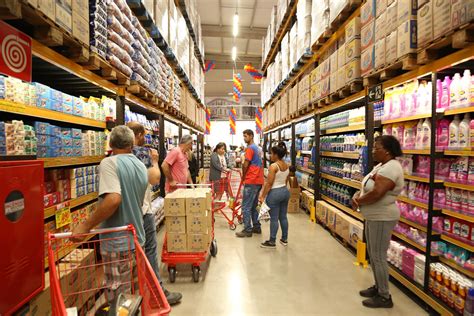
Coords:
249,206
277,201
151,245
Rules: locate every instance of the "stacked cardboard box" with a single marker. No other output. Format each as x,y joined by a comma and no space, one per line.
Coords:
367,22
345,226
293,99
188,220
303,92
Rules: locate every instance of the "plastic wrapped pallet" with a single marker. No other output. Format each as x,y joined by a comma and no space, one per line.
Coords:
320,13
293,45
285,55
98,26
303,15
336,8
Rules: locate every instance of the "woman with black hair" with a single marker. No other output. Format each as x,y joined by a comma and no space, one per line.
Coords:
218,169
376,201
276,195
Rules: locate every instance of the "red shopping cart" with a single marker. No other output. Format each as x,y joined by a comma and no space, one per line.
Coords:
232,186
92,280
172,259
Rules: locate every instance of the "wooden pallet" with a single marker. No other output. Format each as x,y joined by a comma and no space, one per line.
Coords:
136,89
351,5
350,88
458,38
45,30
322,39
402,64
98,64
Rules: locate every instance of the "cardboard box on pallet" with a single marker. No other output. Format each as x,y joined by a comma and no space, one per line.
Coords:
379,53
461,12
80,27
198,224
198,242
47,7
177,242
367,12
352,70
367,61
425,23
196,203
63,14
391,47
294,202
392,17
331,214
342,226
406,38
175,224
175,203
356,232
441,18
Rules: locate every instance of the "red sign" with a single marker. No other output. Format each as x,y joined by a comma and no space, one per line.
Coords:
15,52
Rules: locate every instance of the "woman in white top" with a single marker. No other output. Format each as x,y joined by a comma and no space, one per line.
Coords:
376,201
276,195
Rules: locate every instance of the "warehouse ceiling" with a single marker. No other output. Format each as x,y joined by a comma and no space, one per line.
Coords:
216,23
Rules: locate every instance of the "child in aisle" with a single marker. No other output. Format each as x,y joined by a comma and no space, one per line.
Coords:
276,194
149,157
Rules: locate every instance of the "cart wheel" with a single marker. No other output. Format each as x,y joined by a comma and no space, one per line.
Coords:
240,220
196,271
172,272
214,248
232,226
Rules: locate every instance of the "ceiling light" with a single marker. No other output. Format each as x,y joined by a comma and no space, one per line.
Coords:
234,53
255,82
235,29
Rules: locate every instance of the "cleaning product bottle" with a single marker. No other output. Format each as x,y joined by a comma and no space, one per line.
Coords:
419,135
454,133
464,132
465,89
439,93
469,304
462,169
471,92
442,134
445,93
426,140
454,91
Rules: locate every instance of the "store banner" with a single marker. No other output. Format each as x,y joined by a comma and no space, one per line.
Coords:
258,120
15,53
232,120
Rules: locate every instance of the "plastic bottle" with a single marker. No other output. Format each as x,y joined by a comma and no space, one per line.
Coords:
464,132
454,133
442,134
463,165
469,304
445,93
471,92
465,90
419,135
439,93
454,91
426,140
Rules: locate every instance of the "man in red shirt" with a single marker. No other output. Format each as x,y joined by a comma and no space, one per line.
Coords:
252,174
175,166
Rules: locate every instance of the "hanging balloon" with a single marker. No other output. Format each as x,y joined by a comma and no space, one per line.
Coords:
254,73
210,64
258,120
208,121
232,119
237,87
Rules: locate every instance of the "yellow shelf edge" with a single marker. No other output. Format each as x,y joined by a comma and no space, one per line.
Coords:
343,208
453,264
467,187
406,119
420,179
465,217
70,161
409,241
418,292
459,153
459,111
51,211
350,128
457,242
340,155
32,111
353,184
305,170
307,189
413,224
413,202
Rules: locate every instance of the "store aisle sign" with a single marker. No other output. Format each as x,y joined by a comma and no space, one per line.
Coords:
375,93
15,53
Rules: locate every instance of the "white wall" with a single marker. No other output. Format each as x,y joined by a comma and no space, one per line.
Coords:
220,132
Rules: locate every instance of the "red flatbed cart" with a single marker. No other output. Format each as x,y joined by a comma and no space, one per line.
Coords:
172,259
232,185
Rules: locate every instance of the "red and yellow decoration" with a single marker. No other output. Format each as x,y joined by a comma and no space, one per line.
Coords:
237,87
232,119
254,73
208,121
258,120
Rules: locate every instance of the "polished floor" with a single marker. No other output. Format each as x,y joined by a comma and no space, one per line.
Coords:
314,275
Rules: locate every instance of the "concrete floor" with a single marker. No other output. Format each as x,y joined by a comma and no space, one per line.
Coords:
315,275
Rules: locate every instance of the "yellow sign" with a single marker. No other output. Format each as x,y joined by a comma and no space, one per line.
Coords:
63,215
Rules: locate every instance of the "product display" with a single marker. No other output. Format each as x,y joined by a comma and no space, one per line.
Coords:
344,119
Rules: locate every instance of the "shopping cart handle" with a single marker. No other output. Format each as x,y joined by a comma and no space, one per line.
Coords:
93,231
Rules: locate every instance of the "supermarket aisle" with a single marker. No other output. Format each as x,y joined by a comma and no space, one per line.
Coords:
307,278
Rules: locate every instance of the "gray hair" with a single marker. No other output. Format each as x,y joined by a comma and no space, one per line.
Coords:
121,137
186,139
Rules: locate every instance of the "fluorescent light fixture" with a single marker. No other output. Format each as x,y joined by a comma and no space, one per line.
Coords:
235,29
255,82
234,53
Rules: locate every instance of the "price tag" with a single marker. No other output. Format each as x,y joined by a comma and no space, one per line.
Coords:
63,215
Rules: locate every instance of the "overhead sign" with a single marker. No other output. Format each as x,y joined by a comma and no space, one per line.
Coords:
375,93
15,52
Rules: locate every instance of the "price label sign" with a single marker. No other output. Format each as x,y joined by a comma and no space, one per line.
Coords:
63,215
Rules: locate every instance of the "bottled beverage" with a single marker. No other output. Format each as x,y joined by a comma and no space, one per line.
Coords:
469,303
